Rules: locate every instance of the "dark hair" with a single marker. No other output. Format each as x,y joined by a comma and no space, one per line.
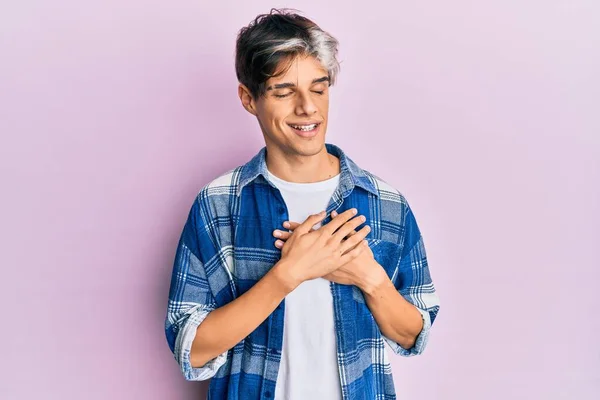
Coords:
273,40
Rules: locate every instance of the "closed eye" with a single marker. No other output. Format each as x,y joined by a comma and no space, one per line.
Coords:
320,92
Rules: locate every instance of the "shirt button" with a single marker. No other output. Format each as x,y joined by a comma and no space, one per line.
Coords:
267,394
280,210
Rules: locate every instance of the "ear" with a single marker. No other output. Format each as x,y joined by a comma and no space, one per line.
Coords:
246,98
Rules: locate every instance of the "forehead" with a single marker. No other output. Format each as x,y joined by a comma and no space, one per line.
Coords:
300,70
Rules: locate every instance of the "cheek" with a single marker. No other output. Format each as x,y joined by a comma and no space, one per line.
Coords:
275,115
278,123
270,120
323,104
278,120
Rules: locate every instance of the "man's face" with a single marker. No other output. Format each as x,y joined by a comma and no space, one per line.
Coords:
293,112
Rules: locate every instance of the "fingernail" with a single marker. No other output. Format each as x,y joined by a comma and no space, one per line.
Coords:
368,228
277,233
363,218
286,224
278,243
354,211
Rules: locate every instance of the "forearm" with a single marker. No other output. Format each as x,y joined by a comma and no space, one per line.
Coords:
397,319
226,326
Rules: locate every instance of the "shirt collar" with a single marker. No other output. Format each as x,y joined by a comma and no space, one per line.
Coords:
350,174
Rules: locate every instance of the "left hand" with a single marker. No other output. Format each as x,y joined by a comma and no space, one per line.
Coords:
355,272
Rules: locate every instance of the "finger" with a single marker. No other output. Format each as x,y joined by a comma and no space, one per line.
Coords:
355,252
307,225
283,235
348,227
355,239
291,225
338,221
351,233
278,244
333,215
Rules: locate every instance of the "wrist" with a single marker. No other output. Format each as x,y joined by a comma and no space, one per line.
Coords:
285,276
374,281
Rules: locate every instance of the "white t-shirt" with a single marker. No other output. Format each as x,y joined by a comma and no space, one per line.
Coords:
308,368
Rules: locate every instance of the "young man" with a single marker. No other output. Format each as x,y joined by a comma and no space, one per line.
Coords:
295,269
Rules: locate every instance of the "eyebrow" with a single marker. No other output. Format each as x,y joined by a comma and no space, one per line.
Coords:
290,84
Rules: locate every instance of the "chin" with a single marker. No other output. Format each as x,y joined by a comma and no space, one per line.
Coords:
309,147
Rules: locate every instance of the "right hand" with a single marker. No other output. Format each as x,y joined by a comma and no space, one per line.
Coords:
308,254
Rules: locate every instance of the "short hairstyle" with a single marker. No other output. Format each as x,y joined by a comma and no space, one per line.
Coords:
277,37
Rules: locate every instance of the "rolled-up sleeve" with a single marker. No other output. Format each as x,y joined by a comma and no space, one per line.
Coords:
413,281
190,298
183,345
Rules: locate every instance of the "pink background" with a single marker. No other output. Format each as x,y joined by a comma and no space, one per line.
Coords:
485,115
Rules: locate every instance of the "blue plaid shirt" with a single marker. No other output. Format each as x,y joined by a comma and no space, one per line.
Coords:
227,246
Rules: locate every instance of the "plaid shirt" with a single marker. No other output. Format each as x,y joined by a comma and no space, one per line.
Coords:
227,246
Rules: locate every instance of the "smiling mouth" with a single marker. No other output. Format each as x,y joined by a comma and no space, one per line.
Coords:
305,128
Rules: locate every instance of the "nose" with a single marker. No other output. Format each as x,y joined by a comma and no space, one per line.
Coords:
305,105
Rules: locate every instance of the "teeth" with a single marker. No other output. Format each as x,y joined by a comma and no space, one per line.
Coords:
304,127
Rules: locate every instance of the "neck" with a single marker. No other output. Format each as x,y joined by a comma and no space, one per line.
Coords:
300,168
